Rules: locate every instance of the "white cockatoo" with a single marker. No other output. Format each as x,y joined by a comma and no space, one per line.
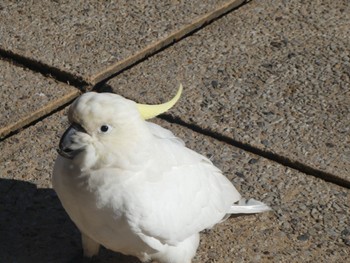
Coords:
133,186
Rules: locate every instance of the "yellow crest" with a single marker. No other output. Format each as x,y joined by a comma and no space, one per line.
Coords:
151,111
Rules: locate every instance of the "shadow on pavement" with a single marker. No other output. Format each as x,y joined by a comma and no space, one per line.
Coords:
35,228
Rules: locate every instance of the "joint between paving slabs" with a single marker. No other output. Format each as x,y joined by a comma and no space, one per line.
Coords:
99,84
45,70
41,118
118,68
282,160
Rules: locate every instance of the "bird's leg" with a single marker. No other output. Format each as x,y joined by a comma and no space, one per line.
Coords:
90,246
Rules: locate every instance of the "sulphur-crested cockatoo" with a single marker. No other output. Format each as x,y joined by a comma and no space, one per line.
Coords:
133,186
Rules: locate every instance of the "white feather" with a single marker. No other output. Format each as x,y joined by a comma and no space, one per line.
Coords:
250,206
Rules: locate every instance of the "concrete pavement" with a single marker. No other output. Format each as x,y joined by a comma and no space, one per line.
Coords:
267,95
263,75
90,40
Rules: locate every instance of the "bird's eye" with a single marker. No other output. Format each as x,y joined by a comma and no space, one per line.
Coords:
105,128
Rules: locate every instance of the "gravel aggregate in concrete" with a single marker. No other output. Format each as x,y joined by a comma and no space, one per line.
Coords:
86,37
310,221
272,74
26,96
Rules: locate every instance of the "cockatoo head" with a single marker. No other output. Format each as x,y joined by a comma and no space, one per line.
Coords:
102,123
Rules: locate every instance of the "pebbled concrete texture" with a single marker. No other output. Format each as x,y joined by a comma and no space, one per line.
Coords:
272,74
310,221
86,38
26,96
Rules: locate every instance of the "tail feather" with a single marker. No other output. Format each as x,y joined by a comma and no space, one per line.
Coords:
250,206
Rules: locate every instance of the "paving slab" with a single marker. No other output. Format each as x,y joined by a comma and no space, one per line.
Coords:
94,39
310,221
26,96
273,74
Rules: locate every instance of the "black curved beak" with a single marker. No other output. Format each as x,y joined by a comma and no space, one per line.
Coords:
66,148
